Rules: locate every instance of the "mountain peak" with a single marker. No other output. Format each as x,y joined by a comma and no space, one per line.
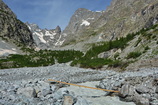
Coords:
45,38
58,29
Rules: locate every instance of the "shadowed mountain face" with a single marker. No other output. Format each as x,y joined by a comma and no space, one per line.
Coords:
12,29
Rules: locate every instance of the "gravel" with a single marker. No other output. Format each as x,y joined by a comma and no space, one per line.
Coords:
35,80
58,72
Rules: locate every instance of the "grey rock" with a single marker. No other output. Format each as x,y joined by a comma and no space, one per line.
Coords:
28,91
53,88
148,96
141,100
156,90
46,92
131,91
142,89
154,102
43,85
81,101
40,95
42,88
68,100
60,93
124,91
103,55
156,96
144,101
111,83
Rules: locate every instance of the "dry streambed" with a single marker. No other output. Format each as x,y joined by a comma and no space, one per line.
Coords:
30,86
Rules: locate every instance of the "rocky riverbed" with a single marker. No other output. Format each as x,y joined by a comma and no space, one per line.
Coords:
30,86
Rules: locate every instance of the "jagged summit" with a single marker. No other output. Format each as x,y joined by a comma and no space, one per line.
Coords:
44,38
58,29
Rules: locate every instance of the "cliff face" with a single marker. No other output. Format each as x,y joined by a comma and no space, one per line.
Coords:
12,29
81,20
126,16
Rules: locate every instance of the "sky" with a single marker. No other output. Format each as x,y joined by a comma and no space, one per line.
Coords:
51,13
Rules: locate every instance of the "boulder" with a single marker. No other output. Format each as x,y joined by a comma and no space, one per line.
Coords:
68,100
103,55
60,93
156,90
28,91
53,88
43,85
124,91
46,92
141,100
111,83
81,101
142,89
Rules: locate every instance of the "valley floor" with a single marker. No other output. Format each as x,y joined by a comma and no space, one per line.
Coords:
30,86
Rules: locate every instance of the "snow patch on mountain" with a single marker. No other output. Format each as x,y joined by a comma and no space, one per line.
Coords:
40,36
90,18
85,22
45,38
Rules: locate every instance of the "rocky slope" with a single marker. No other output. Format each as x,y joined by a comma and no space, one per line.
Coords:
12,30
119,19
122,17
81,19
44,38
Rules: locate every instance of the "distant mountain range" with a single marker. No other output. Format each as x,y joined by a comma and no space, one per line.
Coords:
47,39
129,22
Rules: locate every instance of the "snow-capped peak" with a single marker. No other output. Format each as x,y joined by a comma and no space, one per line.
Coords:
45,38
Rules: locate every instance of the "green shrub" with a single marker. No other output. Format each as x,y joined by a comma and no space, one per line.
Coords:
133,55
95,63
153,37
116,63
146,48
42,58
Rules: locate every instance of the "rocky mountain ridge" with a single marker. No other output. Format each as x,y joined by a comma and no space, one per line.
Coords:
13,32
44,38
48,39
81,19
119,19
13,29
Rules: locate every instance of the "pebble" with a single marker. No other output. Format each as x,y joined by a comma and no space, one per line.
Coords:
30,85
